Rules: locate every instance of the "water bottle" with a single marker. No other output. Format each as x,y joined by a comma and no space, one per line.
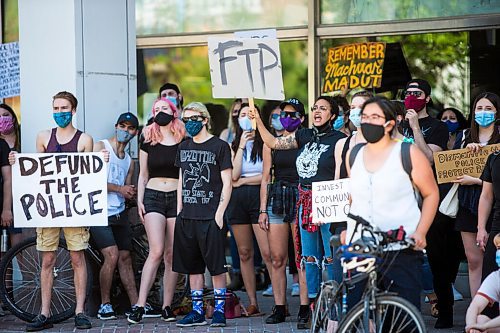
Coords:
4,241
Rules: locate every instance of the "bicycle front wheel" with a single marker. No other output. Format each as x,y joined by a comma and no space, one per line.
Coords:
327,309
392,314
20,290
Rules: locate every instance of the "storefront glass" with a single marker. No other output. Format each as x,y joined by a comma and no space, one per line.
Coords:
166,17
362,11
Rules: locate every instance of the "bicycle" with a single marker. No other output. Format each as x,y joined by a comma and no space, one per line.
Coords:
20,271
378,311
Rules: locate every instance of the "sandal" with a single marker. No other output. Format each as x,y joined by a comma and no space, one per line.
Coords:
434,309
251,311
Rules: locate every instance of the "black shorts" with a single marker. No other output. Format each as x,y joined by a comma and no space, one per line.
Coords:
161,202
244,205
199,244
118,233
467,222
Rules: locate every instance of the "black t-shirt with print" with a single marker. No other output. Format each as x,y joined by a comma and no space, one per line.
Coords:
491,174
201,165
435,132
315,158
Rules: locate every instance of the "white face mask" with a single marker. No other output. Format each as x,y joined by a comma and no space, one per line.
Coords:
355,117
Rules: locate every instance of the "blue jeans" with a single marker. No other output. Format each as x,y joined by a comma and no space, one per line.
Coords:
428,287
316,245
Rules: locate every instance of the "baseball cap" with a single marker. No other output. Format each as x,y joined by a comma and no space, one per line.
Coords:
420,84
129,117
297,105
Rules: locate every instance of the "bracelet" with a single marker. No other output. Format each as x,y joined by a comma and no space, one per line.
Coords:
262,211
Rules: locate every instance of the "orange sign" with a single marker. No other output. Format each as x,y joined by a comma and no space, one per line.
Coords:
354,65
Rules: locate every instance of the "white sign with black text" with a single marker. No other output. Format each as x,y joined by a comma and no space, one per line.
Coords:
330,201
245,67
9,70
60,190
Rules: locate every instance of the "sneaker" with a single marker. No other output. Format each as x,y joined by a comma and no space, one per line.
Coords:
457,296
193,318
151,312
218,319
167,314
136,315
82,322
268,292
295,290
39,323
106,312
276,317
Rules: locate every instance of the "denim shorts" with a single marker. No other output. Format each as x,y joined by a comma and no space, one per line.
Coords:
164,203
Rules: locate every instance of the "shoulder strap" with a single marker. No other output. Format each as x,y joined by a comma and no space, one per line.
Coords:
354,152
465,132
406,158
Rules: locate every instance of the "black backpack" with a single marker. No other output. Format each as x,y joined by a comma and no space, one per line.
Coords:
405,160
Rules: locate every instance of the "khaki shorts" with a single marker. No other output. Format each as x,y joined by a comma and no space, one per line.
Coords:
77,238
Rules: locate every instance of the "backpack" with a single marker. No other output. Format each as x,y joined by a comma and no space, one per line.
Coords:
405,160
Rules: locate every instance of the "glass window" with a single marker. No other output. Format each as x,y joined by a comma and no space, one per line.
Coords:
358,11
443,59
188,67
165,17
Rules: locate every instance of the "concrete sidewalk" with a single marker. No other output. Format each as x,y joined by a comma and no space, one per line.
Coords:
10,323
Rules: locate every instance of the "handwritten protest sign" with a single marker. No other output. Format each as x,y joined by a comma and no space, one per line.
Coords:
354,65
245,68
9,70
330,201
454,163
60,190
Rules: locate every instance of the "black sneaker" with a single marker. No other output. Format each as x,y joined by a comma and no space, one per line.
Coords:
136,315
82,322
167,314
39,323
304,320
106,312
151,312
278,316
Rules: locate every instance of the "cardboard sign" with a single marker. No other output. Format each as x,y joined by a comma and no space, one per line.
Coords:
245,67
330,201
60,190
354,66
454,163
9,70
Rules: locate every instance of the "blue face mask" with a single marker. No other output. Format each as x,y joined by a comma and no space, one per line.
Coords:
452,126
63,119
123,136
245,124
276,123
194,127
172,99
497,258
355,117
339,122
484,118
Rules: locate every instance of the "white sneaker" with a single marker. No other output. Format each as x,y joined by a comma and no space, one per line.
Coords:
268,292
295,290
457,296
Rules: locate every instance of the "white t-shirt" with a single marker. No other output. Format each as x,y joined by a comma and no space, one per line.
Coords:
490,288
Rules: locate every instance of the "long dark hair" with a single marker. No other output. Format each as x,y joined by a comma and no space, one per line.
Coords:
257,143
17,145
474,127
462,122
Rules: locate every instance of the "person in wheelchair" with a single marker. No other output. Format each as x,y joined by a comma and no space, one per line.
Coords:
383,193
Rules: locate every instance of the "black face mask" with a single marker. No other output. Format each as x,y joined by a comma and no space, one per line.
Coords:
163,119
372,133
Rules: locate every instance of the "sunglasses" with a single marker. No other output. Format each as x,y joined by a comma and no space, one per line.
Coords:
294,115
415,93
192,118
275,116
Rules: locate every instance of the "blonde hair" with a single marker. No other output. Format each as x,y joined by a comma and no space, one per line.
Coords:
152,133
496,240
202,109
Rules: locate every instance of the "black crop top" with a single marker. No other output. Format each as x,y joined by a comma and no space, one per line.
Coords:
161,160
284,165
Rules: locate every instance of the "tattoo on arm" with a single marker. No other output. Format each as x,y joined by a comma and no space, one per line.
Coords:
221,198
284,143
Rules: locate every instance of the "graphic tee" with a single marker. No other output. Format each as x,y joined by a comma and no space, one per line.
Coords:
315,158
201,165
434,131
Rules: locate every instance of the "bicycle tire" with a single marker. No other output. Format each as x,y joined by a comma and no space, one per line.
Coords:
28,261
353,322
327,308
